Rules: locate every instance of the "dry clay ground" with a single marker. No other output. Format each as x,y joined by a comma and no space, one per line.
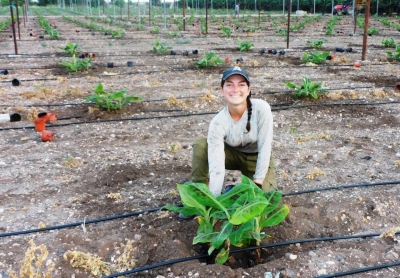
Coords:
101,169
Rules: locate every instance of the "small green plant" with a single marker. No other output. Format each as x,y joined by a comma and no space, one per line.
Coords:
160,48
139,27
226,31
113,100
244,45
317,44
316,58
396,54
307,89
117,34
75,65
173,34
373,31
389,43
209,60
281,32
155,30
243,212
251,29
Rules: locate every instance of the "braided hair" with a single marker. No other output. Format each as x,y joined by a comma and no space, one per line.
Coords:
249,111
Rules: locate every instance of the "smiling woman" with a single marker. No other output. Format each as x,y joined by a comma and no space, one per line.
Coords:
239,138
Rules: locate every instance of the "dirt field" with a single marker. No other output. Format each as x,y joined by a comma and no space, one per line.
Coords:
99,168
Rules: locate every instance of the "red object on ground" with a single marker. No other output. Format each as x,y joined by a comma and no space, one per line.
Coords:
47,136
40,124
357,64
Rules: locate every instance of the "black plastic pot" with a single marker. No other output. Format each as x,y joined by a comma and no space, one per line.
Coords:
10,36
329,57
93,34
173,52
349,49
129,64
110,65
4,72
282,52
185,53
273,51
239,59
81,56
339,49
16,82
30,34
195,52
262,50
15,117
398,87
41,37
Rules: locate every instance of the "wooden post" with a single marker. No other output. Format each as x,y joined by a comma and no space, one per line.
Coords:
184,19
206,16
13,28
19,31
366,23
288,23
149,13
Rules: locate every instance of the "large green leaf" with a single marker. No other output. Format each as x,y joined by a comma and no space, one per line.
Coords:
201,193
231,197
222,256
223,234
188,199
247,212
276,217
184,210
204,226
205,237
236,237
273,198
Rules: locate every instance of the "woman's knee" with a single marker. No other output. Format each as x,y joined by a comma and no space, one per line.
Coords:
200,147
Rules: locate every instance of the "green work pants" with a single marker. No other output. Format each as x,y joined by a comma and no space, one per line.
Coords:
234,160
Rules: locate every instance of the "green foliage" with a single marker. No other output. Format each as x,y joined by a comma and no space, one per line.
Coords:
160,48
396,54
331,25
389,43
281,32
373,31
4,24
75,65
244,212
139,27
316,58
317,44
307,89
244,45
48,28
209,60
173,34
155,30
113,100
117,34
226,31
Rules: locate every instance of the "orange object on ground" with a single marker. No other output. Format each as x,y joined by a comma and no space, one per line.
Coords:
40,124
47,136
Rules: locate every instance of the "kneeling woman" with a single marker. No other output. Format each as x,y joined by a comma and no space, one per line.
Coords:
239,138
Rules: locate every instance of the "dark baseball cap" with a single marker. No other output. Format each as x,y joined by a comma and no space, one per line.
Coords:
235,70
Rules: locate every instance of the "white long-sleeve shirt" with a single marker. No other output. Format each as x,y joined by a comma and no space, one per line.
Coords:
224,129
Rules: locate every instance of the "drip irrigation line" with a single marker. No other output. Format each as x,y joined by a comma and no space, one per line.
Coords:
331,89
157,209
332,104
147,267
359,270
193,114
365,184
58,227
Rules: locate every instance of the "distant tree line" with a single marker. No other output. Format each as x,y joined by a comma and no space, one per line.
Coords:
321,6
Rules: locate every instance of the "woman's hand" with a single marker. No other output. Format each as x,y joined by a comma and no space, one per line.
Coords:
259,183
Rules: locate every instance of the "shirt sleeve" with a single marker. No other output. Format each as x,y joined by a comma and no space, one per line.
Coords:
264,140
216,155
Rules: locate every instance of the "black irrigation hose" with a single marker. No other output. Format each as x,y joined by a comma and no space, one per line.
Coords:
193,114
359,270
78,223
147,267
156,209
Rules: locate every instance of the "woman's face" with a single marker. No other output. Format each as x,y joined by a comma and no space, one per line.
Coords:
235,90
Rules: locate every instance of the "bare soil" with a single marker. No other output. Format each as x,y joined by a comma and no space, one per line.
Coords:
96,168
